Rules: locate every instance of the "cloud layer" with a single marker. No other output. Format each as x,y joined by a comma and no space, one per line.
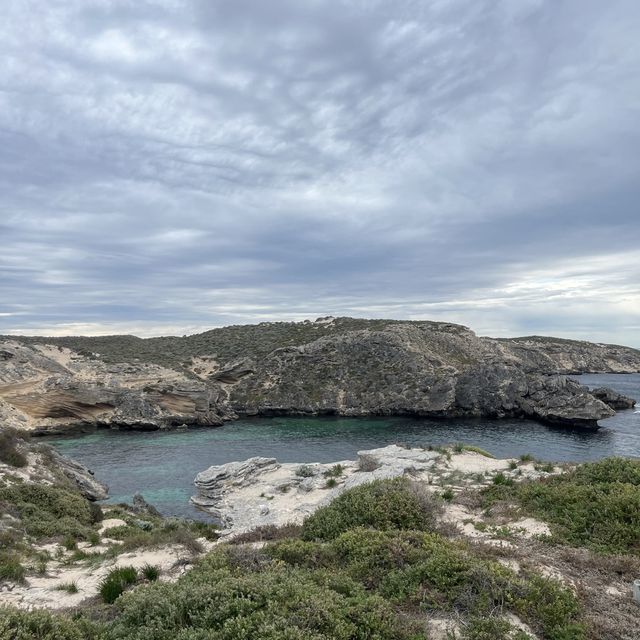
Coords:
171,165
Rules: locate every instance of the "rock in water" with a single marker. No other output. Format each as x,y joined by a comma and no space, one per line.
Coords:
612,398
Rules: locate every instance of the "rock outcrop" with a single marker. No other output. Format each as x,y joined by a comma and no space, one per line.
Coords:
52,389
44,465
340,366
421,369
612,398
261,492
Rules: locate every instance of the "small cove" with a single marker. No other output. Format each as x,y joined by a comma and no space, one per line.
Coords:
162,465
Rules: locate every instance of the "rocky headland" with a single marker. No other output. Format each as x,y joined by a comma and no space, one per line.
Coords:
333,366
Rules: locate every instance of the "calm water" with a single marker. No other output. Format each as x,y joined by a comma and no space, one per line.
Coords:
162,465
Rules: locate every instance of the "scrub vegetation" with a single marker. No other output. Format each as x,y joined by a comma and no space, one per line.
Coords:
369,565
596,505
375,563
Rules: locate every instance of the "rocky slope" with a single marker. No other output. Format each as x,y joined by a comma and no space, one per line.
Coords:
339,366
51,388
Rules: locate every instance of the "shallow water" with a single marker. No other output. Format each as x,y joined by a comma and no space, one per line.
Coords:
162,465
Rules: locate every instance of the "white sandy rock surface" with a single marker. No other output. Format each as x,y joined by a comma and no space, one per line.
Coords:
262,491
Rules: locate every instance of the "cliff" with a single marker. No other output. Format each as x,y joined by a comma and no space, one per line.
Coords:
340,366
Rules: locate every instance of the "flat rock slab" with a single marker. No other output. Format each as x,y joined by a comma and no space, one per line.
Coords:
261,491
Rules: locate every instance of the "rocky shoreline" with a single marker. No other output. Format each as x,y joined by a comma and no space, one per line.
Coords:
262,492
333,366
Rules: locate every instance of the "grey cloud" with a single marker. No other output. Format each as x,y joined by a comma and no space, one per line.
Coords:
167,165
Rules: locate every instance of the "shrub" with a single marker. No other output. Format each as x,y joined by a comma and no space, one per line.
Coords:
501,479
597,505
305,471
331,483
448,494
487,629
417,569
115,583
274,602
382,504
334,472
49,511
9,451
39,624
10,567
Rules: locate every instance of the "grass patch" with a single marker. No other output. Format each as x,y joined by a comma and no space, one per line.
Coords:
69,587
116,582
334,472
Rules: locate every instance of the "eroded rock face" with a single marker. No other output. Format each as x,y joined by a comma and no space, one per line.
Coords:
340,366
612,398
51,389
431,370
46,466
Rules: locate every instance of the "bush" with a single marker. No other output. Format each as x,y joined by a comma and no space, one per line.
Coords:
115,583
49,511
10,567
305,471
334,472
382,504
150,572
416,569
597,505
40,624
274,602
9,451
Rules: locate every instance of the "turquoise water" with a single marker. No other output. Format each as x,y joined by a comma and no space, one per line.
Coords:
162,465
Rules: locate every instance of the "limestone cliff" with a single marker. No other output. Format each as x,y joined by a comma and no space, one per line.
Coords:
342,366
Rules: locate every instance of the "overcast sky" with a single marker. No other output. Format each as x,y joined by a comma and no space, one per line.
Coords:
167,166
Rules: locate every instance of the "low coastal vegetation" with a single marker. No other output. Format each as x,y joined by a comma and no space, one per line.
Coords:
595,505
379,562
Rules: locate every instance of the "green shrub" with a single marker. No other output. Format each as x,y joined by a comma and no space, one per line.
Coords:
115,583
417,569
501,479
49,511
382,504
597,505
305,471
39,624
331,483
9,452
273,602
10,567
487,629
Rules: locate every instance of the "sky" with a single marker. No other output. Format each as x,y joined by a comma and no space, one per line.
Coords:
168,166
